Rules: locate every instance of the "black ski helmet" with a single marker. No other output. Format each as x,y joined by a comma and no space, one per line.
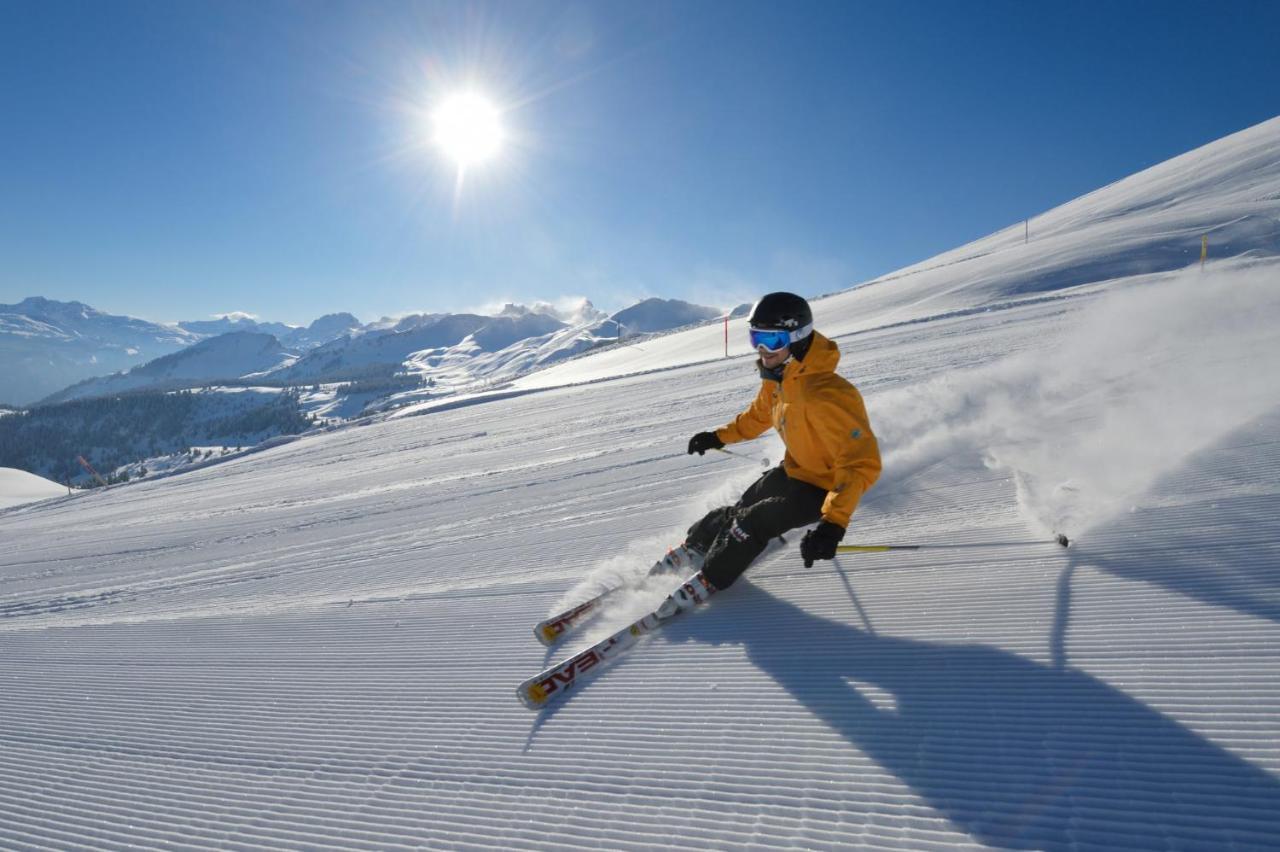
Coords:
784,311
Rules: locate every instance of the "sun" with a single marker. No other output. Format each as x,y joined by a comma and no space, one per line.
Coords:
467,128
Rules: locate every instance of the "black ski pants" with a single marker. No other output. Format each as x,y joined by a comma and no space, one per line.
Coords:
733,536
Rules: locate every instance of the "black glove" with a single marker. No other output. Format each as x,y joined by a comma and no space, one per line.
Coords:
704,441
820,542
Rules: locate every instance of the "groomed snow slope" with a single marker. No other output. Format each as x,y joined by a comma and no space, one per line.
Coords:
317,646
18,487
1227,191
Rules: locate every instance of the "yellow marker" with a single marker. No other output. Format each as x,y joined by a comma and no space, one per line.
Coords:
536,693
1204,249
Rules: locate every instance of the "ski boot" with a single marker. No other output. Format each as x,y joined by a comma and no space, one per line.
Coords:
678,560
691,593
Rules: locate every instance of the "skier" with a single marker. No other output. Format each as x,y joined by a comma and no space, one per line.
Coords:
832,459
832,456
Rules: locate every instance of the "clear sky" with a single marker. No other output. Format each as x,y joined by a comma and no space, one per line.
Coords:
175,160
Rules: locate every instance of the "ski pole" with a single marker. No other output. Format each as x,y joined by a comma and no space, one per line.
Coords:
764,462
880,548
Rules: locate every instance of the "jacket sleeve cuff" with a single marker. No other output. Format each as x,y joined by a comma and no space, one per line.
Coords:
839,513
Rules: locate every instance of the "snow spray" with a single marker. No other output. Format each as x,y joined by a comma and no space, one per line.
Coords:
1137,382
628,569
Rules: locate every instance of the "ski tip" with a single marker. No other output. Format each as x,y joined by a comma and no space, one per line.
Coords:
547,633
1062,540
532,695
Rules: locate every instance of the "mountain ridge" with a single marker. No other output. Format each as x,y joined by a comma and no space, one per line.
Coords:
333,348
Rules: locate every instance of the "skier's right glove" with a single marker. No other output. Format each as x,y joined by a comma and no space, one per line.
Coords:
704,441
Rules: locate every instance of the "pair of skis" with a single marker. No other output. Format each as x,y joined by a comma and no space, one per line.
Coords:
538,691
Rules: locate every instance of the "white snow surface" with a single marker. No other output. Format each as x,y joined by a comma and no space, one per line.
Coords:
1228,191
17,487
317,645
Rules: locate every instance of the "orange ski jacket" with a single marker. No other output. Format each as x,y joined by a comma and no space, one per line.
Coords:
823,422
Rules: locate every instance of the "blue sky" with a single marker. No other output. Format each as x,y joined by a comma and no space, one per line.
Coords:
174,160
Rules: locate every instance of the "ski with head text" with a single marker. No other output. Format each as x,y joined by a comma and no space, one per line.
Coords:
541,689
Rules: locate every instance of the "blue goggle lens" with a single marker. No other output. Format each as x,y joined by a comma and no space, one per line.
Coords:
771,339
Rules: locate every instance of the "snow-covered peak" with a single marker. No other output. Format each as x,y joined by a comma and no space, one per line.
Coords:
653,315
239,321
78,320
321,331
335,324
49,345
401,322
570,311
579,312
42,308
513,310
225,357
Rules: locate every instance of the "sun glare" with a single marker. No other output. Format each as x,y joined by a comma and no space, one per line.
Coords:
468,129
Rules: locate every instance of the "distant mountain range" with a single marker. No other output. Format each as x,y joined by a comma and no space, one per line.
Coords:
47,345
227,356
67,350
319,332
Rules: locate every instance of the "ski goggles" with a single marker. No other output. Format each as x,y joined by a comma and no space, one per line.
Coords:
774,339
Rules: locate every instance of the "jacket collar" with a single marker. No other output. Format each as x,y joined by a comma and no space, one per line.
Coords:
822,357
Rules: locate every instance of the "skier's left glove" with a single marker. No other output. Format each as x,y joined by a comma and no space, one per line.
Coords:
820,542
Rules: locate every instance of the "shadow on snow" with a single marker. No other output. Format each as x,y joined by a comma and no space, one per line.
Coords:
1015,753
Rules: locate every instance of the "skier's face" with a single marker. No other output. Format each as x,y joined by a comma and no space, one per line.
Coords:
773,359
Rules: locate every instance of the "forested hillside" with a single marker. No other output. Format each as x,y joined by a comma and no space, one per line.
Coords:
114,431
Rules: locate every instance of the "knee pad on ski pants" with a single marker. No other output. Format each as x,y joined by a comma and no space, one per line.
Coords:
766,519
702,535
745,536
742,532
735,548
773,516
